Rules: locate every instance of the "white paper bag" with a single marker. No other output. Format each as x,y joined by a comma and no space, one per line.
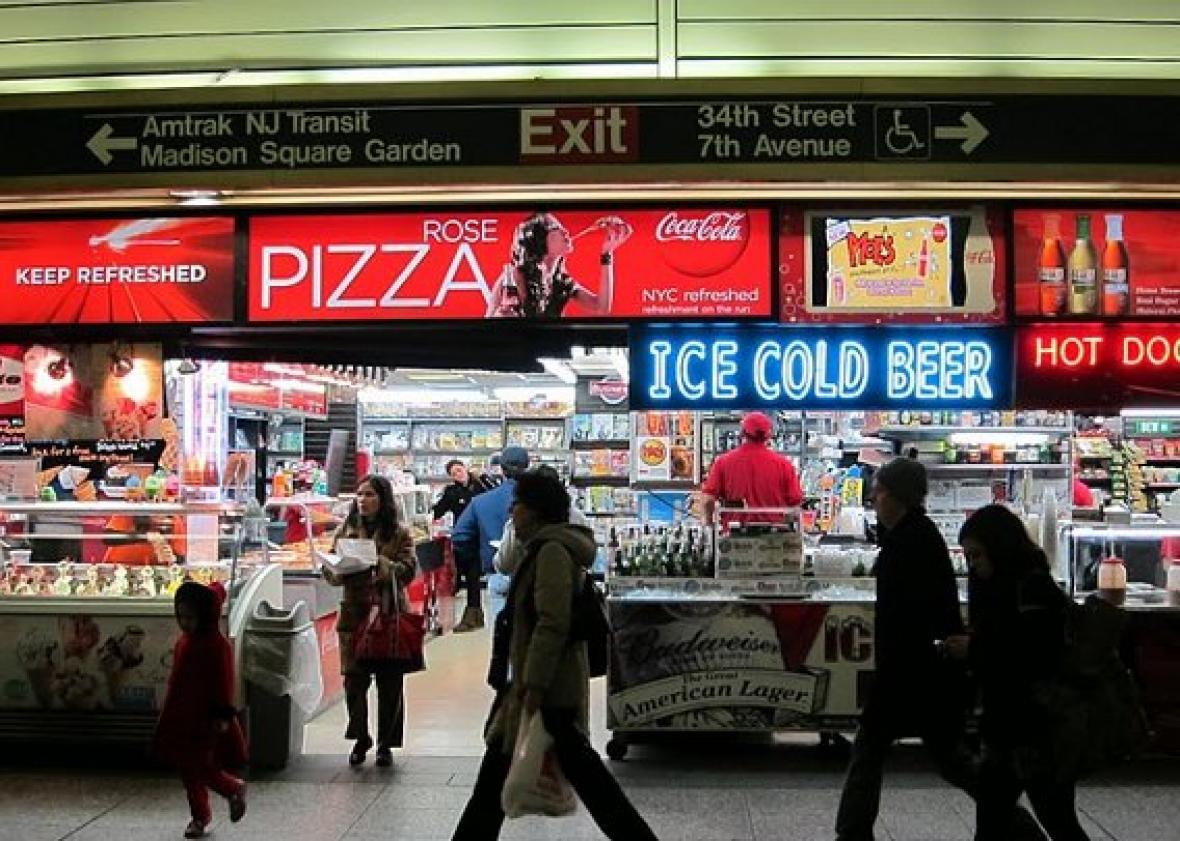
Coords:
535,784
351,555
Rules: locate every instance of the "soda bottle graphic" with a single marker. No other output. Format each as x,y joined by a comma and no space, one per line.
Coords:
1083,271
1051,269
1116,277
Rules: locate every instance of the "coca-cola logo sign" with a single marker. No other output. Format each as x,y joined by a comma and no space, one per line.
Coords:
703,243
720,226
611,392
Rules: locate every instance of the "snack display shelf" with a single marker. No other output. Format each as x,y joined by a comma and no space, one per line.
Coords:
920,429
976,468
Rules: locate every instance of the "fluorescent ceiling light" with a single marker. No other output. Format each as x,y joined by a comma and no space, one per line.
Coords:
622,363
300,385
523,394
413,396
558,368
1018,439
1150,413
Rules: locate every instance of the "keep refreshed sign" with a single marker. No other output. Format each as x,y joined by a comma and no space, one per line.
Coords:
1097,366
117,271
568,264
738,367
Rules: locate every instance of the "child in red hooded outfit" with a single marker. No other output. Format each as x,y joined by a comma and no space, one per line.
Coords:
198,729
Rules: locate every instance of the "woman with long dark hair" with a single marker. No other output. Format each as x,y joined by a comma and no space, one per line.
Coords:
1017,636
373,516
536,285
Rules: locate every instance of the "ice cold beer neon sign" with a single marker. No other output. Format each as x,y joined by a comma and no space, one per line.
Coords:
702,367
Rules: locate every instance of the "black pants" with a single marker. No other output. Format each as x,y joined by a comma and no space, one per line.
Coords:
1001,787
583,767
391,707
471,572
942,735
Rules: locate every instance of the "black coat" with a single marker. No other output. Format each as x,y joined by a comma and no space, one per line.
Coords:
917,604
1017,639
455,498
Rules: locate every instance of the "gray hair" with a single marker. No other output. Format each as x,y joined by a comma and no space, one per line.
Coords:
905,479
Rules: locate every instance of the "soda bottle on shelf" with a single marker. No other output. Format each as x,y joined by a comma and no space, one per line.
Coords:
1051,269
1116,284
1083,271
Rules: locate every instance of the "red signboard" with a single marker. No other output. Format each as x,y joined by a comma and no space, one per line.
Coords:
634,263
12,398
117,271
1108,263
1097,366
253,386
896,266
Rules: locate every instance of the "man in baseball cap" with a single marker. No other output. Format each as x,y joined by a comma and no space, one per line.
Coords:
753,475
482,522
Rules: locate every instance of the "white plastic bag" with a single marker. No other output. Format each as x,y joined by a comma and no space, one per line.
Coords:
287,665
535,784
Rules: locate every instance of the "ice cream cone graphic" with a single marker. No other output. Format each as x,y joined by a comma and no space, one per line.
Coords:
37,651
41,682
116,678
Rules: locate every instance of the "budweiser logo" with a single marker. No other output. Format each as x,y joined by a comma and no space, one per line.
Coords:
611,392
718,226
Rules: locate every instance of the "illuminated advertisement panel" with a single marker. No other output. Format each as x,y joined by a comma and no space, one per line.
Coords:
892,266
673,263
117,271
1097,366
738,367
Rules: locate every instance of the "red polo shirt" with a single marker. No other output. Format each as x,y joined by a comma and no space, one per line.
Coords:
756,475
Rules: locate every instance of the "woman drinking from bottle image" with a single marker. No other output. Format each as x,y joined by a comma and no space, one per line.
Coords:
536,285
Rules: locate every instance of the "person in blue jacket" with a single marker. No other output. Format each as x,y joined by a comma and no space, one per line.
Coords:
480,523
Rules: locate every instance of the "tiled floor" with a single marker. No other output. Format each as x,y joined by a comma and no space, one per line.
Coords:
709,790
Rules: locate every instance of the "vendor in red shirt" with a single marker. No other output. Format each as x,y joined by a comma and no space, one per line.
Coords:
753,474
1083,497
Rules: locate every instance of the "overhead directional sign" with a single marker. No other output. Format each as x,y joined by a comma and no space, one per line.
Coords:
791,130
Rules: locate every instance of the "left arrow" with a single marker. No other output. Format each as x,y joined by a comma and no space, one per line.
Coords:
104,142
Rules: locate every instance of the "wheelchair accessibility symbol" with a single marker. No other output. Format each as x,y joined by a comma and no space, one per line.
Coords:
902,132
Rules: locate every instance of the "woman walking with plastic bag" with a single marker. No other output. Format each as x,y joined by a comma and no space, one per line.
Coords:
1017,616
548,678
373,517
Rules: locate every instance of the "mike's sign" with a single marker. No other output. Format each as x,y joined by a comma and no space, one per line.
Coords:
677,263
702,367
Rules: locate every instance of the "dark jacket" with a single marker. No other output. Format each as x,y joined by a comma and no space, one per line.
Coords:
1017,639
917,602
541,653
455,498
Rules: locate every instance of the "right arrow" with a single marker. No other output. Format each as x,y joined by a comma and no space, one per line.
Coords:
103,143
971,132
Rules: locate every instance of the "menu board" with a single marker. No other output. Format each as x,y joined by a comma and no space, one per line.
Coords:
566,264
117,271
892,266
1096,263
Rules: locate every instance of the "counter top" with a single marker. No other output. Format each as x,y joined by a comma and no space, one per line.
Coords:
1143,601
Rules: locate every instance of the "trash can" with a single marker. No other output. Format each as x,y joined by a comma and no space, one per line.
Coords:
283,681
